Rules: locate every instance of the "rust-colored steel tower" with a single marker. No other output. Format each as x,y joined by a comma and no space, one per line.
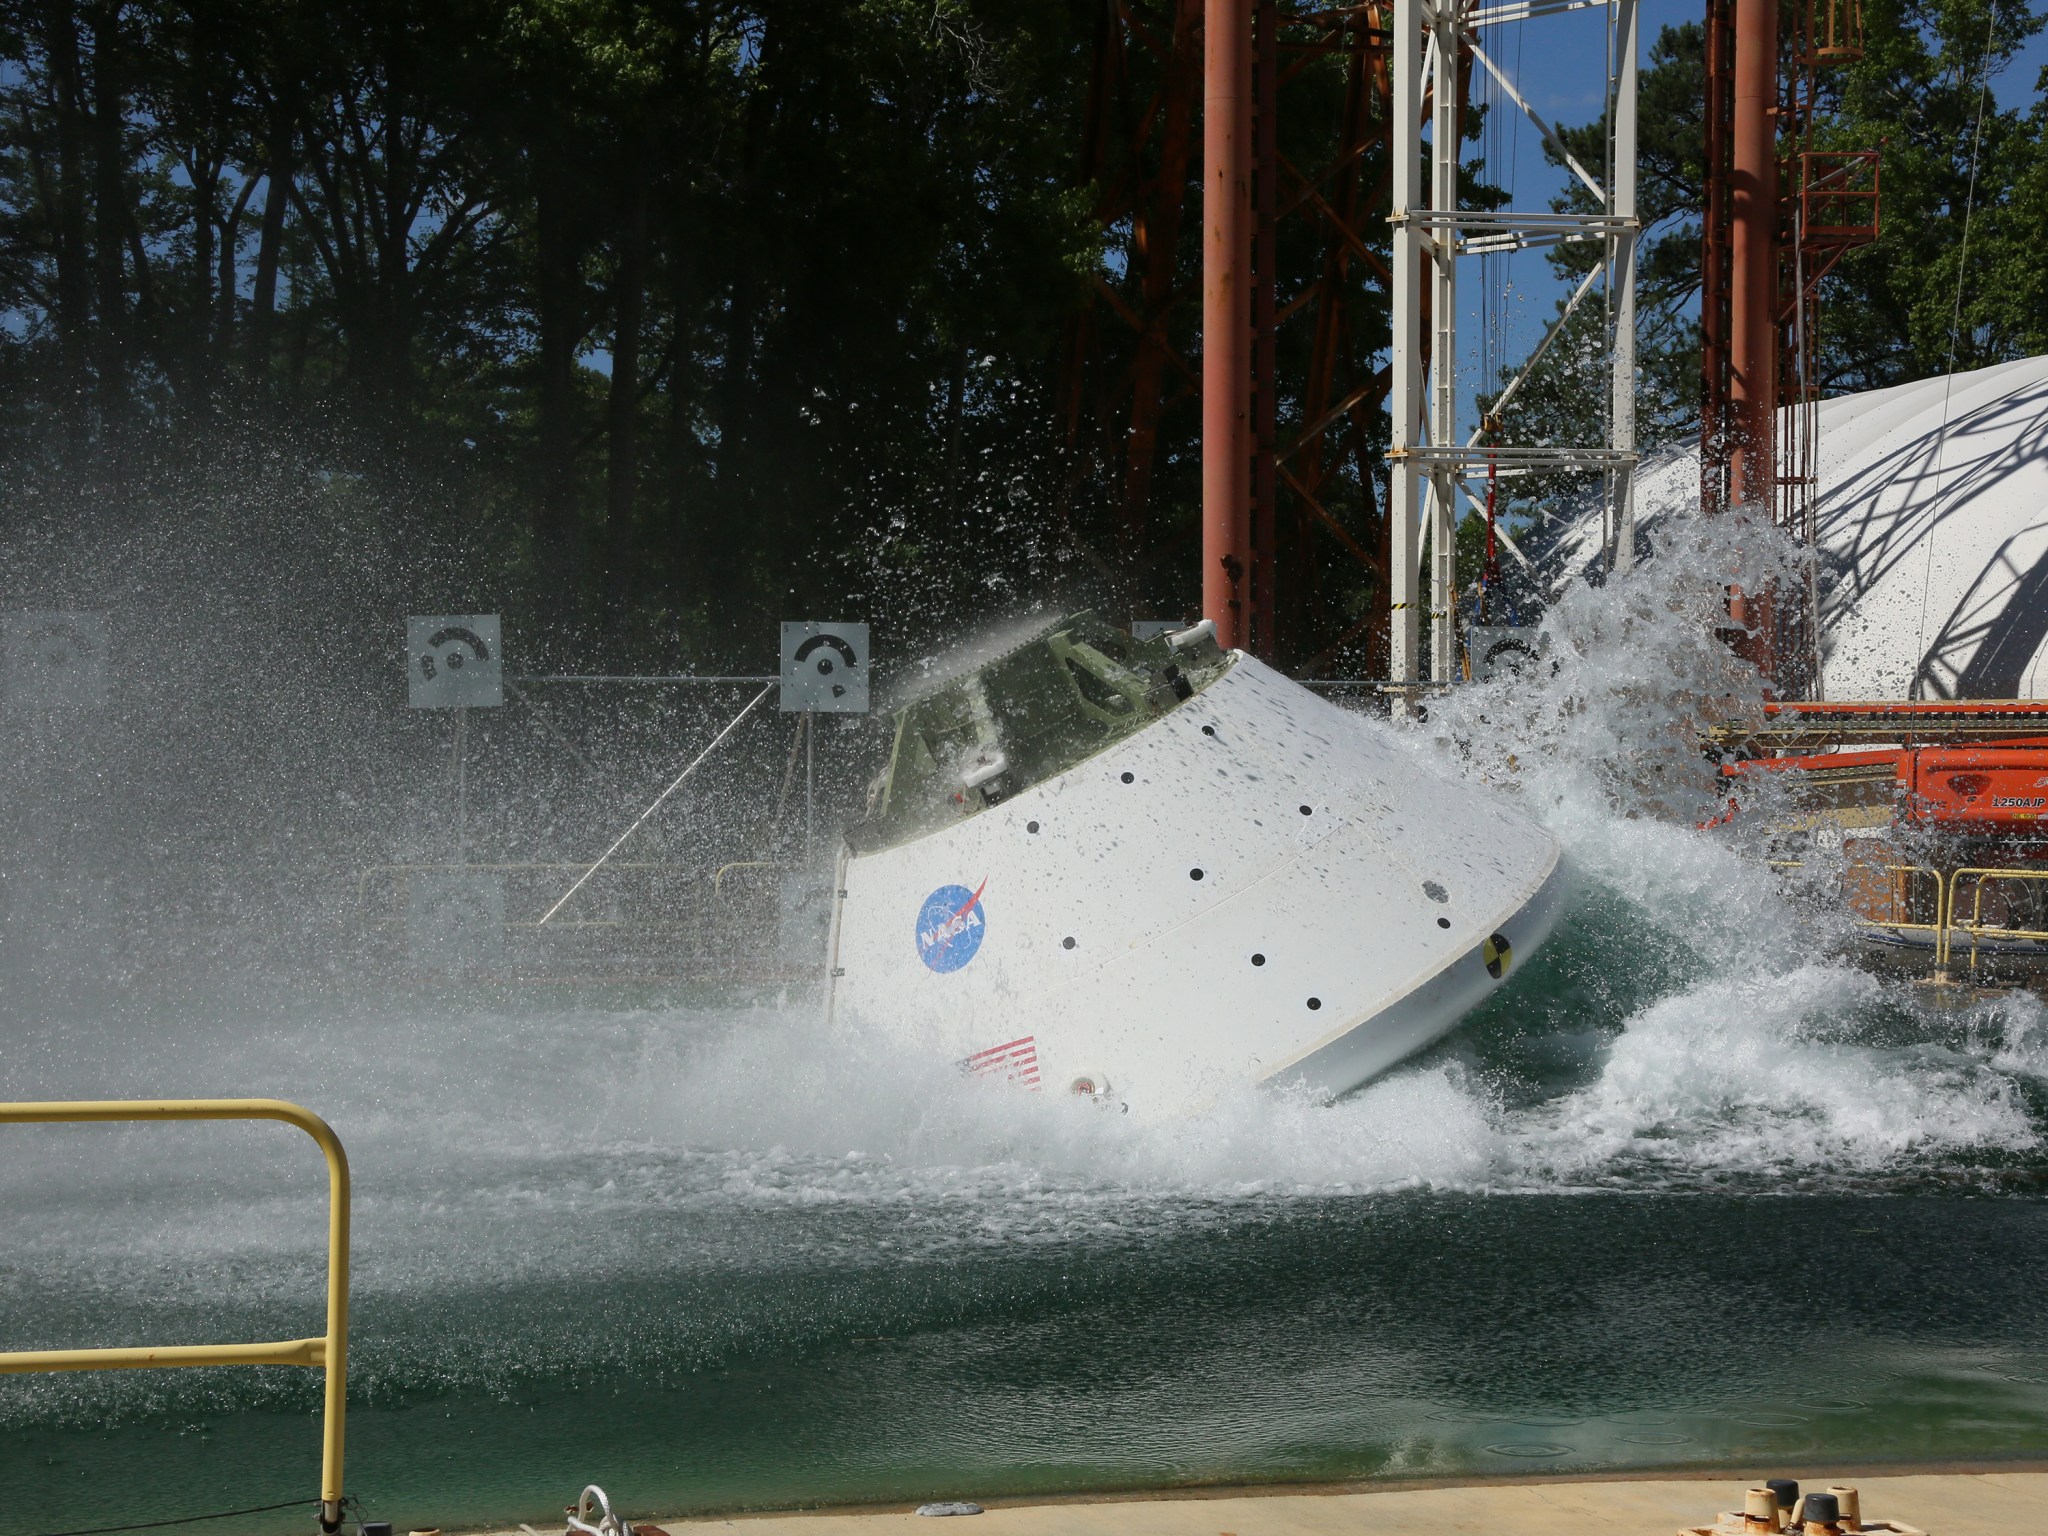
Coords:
1779,215
1227,232
1289,396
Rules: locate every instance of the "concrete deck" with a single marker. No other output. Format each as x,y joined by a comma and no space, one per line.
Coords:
1960,1503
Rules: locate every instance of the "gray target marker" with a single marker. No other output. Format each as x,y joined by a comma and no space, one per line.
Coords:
825,668
454,661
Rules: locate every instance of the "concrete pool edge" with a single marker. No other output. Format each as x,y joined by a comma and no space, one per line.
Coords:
1948,1498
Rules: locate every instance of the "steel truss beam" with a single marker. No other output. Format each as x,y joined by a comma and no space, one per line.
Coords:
1429,468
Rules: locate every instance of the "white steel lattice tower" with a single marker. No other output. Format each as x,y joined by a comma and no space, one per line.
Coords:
1430,467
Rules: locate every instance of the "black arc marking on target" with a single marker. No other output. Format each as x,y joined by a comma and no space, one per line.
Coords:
455,659
816,643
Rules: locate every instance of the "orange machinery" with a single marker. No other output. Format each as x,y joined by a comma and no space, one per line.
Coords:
1967,764
1963,784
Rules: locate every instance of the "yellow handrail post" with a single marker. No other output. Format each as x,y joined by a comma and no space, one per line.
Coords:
1976,927
329,1351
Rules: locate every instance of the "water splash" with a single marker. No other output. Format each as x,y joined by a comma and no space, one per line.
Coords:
1684,1030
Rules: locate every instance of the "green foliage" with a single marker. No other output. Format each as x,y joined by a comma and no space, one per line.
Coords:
1886,310
1889,312
692,314
677,317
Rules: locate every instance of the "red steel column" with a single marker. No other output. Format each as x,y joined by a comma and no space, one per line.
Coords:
1752,301
1714,262
1753,332
1265,481
1226,318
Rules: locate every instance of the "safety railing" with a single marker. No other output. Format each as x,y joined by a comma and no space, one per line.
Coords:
718,880
1889,905
1977,929
328,1352
1881,896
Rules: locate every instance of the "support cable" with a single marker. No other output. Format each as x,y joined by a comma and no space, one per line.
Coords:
1955,324
219,1514
676,784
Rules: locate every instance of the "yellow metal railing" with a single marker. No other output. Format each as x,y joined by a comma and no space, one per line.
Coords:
718,880
330,1351
1901,902
1976,927
1899,898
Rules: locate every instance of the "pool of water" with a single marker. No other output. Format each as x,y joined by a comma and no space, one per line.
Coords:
1685,1195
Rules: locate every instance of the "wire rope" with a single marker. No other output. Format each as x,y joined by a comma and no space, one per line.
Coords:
218,1514
1955,325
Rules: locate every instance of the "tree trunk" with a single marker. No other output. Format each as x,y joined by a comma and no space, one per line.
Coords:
74,278
721,545
559,299
227,283
622,415
276,197
206,221
681,577
110,209
299,348
956,410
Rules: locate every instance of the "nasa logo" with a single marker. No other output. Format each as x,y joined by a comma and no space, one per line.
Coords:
950,926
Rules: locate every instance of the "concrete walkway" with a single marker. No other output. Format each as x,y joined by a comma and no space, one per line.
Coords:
1942,1504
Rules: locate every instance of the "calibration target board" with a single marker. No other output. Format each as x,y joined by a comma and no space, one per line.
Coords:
825,669
1498,649
52,662
454,661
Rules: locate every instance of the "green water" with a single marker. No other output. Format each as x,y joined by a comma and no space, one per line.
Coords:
1401,1334
1655,1208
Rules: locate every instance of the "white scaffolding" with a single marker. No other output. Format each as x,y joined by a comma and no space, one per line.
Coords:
1430,467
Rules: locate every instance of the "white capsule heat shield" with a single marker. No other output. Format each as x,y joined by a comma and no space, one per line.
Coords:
1253,885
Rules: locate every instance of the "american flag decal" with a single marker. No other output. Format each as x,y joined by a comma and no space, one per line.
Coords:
1015,1061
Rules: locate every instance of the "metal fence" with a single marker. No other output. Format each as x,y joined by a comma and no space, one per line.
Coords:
328,1351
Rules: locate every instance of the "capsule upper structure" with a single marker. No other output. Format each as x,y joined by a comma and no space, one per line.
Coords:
1153,869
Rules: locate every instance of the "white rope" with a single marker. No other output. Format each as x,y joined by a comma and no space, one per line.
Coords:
1955,325
695,763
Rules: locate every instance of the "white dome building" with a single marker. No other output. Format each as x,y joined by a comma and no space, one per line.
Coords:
1933,544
